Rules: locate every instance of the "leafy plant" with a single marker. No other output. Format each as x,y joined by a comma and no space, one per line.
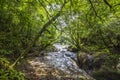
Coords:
9,74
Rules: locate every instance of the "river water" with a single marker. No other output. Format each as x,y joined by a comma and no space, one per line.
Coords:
62,60
65,60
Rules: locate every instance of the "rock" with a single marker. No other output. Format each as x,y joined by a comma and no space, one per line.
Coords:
85,61
60,65
56,66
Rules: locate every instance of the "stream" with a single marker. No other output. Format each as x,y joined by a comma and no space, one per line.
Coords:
61,61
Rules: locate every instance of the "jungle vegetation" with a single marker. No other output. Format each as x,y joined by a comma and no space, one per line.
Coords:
87,25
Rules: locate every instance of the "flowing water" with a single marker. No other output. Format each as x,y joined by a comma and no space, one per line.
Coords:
65,60
62,60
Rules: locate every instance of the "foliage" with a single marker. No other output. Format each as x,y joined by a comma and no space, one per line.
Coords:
95,27
112,61
23,24
9,74
87,25
20,23
106,74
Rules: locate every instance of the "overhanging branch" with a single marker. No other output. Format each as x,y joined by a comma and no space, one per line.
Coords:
38,35
93,7
107,3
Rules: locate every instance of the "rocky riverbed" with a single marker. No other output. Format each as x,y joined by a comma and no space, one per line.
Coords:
60,65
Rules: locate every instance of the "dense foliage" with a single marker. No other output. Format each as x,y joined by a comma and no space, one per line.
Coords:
23,25
96,26
87,25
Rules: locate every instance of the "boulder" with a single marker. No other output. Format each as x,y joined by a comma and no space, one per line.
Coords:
55,66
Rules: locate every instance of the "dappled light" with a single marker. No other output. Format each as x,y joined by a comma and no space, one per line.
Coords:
59,39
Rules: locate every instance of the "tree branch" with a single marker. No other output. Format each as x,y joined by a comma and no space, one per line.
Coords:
116,5
107,3
93,7
37,36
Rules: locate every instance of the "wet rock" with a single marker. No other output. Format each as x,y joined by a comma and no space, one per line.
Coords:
59,65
